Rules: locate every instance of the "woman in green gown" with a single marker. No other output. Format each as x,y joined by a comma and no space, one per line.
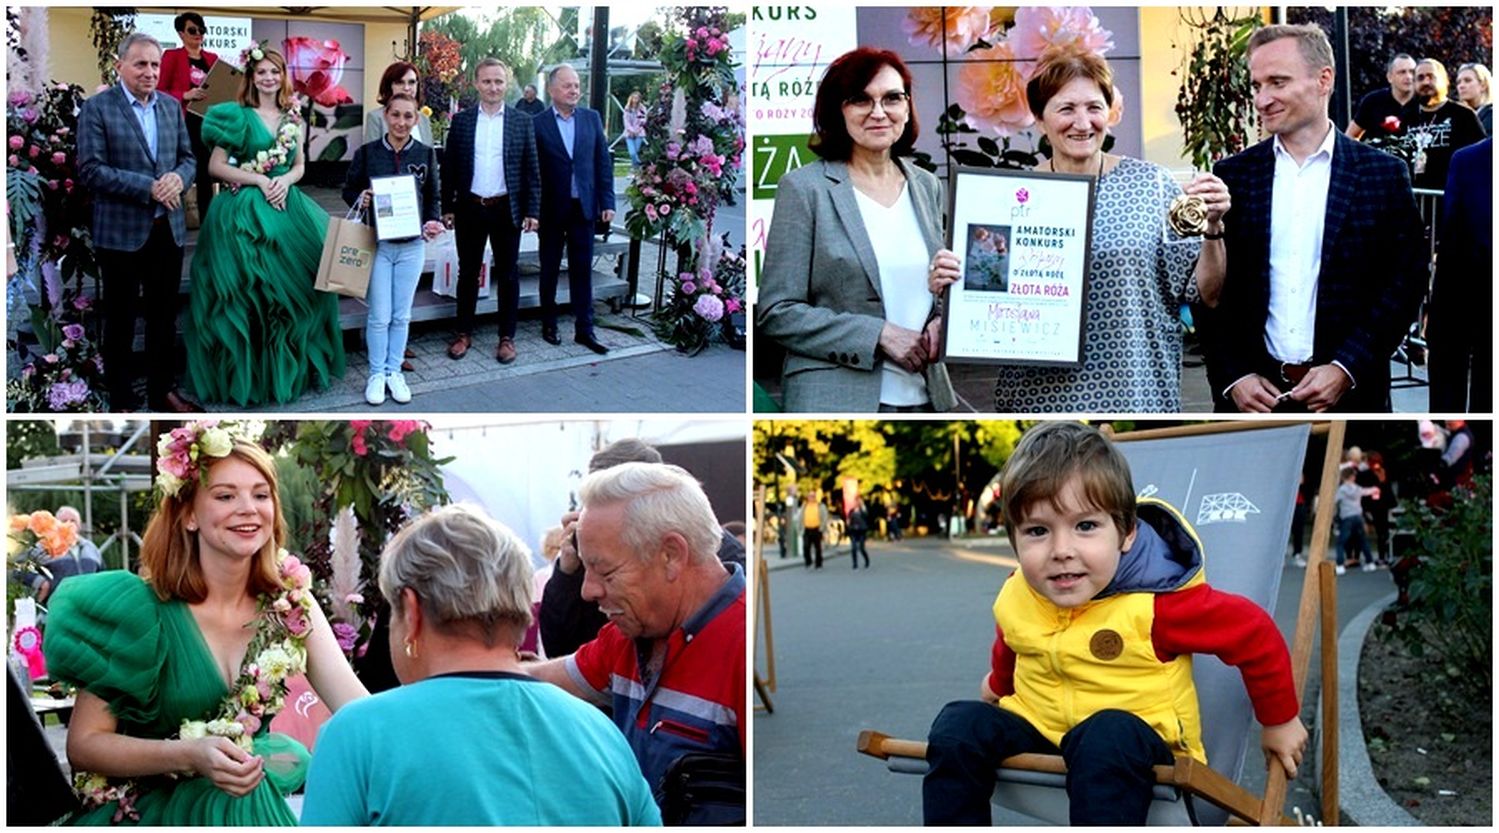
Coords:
257,331
180,670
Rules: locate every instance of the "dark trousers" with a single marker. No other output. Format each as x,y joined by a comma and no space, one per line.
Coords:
1109,758
812,538
575,232
1298,528
472,225
204,181
856,546
154,270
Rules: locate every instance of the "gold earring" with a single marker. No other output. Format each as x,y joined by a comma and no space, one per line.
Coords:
410,653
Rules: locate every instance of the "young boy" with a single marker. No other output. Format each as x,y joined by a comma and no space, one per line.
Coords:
1351,519
1095,637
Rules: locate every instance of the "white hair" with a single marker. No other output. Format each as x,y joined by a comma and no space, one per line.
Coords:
659,499
134,38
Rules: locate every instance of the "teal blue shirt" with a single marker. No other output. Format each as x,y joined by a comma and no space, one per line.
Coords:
475,749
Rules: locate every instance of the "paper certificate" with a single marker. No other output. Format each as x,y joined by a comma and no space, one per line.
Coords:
398,213
1023,239
221,85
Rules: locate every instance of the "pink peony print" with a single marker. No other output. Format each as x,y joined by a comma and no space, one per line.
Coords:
991,90
1039,27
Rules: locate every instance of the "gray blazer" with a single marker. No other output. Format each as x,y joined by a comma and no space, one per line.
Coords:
820,290
115,164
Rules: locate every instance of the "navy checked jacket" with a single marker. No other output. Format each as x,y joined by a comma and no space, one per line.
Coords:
115,164
1374,269
522,176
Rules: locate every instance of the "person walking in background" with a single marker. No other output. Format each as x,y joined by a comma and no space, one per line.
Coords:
1377,506
135,156
183,71
1298,523
814,520
893,530
1350,497
857,526
577,193
634,115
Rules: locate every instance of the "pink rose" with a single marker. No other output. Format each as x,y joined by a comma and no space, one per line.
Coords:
296,622
59,158
16,142
991,90
316,67
358,445
954,28
13,161
665,209
732,305
33,151
249,721
651,213
1038,28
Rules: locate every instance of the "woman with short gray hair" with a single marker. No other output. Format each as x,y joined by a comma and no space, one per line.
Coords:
468,739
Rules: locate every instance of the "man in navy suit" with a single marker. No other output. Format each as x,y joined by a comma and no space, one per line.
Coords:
1325,258
492,191
1461,328
135,155
577,191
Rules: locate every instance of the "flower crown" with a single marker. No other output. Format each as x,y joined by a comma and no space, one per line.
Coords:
178,451
253,52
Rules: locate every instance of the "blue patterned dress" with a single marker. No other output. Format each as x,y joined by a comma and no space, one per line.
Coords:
1132,344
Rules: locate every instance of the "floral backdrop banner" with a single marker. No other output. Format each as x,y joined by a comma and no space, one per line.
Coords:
326,61
789,49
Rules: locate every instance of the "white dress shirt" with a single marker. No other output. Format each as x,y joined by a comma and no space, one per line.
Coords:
489,154
895,236
1298,209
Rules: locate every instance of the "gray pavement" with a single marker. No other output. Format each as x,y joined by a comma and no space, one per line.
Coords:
886,648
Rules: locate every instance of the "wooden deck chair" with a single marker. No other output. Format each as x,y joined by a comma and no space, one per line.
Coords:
1236,483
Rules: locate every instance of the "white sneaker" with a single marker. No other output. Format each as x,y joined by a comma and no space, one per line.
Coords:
374,390
1340,570
1299,561
1369,567
398,390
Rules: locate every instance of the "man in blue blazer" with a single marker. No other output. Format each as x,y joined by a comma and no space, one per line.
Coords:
1326,262
491,190
577,191
1460,329
135,155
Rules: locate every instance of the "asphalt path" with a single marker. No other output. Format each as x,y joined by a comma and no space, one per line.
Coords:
885,649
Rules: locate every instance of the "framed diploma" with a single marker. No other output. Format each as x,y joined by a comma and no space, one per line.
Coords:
1023,239
398,213
221,85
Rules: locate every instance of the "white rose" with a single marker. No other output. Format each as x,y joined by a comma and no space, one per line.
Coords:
193,729
169,483
216,442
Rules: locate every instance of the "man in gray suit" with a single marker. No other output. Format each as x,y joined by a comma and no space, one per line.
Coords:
135,155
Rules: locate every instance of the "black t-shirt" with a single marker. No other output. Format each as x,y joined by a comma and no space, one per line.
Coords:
1438,133
1374,108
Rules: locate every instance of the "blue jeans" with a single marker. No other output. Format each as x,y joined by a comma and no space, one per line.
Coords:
632,144
1350,534
393,279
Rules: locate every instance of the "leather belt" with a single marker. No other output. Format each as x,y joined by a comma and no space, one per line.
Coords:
488,202
1294,373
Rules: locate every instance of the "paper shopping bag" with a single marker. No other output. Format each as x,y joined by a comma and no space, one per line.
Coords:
348,257
445,266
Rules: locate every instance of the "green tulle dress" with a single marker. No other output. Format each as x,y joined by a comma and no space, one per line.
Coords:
257,331
109,634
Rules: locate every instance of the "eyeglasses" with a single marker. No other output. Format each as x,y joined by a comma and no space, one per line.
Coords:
191,30
891,102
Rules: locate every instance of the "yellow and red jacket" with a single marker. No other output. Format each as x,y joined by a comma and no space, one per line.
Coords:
1131,646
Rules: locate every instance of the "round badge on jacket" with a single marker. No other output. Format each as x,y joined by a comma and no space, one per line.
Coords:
1106,645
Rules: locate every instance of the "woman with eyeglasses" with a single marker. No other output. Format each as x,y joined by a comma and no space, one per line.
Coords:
183,71
399,77
844,284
